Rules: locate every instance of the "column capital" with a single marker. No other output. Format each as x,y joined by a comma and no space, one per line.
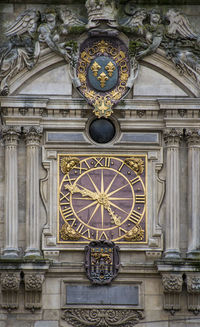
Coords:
193,136
11,134
172,136
33,135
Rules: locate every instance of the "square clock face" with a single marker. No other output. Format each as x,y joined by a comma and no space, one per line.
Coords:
102,197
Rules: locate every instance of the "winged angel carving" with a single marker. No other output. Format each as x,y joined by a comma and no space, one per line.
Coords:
29,34
171,32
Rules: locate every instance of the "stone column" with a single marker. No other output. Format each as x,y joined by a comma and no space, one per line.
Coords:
32,136
11,137
193,140
172,139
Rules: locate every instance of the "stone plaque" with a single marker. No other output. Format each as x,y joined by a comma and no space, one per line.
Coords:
106,295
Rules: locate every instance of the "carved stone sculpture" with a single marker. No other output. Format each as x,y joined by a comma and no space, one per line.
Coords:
81,317
101,11
28,35
172,283
193,284
33,290
10,283
148,30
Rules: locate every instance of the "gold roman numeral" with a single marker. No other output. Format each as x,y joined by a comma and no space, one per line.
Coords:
122,165
135,180
135,217
80,229
122,231
107,162
67,212
140,199
64,196
102,236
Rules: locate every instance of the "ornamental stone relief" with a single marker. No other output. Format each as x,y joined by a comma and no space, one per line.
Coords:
172,283
102,317
57,30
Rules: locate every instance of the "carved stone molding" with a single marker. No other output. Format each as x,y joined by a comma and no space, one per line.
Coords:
193,137
10,283
33,290
33,135
172,283
172,137
82,317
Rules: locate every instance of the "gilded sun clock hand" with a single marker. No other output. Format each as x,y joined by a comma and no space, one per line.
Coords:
102,198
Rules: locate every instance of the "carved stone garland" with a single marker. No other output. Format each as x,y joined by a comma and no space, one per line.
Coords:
102,317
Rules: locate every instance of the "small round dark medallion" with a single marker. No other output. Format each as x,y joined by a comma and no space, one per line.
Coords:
102,130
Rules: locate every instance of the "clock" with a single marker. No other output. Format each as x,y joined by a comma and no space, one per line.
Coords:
101,197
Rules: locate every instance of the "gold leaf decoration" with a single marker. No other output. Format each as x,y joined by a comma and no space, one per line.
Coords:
68,233
68,163
135,234
136,164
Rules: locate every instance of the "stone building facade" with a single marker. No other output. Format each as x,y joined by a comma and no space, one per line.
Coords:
85,86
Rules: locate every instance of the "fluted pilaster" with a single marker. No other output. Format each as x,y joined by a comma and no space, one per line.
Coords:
11,137
193,140
172,139
32,137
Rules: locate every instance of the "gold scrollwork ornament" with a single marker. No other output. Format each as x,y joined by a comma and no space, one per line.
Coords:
136,164
67,164
135,234
102,108
68,233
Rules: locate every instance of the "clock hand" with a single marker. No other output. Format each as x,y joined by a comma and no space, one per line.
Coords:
84,191
116,218
101,198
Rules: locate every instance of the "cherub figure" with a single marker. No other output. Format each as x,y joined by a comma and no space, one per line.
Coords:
22,50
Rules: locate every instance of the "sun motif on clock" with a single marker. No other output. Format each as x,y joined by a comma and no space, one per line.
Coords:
101,198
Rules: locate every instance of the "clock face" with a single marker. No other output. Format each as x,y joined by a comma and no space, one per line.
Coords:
102,198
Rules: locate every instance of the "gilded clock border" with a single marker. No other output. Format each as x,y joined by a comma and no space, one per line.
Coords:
59,155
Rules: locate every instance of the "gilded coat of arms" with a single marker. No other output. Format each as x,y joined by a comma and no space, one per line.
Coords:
103,70
101,261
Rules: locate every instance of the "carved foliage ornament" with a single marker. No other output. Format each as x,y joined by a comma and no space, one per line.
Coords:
33,282
193,284
102,317
10,281
101,261
172,283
